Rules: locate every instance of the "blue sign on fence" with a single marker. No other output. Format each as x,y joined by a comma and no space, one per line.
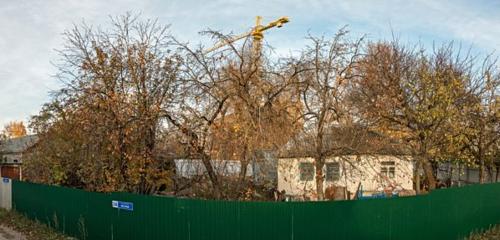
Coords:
5,180
123,205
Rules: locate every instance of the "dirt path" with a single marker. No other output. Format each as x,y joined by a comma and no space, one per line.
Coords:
9,234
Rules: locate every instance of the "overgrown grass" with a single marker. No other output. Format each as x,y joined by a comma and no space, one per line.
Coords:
33,230
491,234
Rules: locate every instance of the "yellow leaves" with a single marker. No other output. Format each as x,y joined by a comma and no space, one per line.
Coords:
101,56
236,127
14,129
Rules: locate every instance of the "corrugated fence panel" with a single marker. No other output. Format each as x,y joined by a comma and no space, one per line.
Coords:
443,214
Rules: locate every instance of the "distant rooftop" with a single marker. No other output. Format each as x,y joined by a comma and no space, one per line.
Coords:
18,145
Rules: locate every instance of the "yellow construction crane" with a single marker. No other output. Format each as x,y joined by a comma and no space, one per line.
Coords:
257,33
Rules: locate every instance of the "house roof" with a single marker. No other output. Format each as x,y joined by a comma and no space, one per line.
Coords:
18,145
349,140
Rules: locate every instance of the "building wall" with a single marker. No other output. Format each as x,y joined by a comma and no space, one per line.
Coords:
6,193
194,167
353,170
459,174
11,158
261,171
10,165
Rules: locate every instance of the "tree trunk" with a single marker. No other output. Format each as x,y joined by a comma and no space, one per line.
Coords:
429,173
450,177
417,177
496,175
211,174
490,174
122,157
320,162
481,171
243,169
145,186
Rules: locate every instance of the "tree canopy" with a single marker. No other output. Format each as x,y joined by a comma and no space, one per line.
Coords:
135,98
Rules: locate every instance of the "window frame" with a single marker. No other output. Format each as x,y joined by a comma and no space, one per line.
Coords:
334,177
302,171
388,169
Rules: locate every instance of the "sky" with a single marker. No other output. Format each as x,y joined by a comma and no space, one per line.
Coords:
30,31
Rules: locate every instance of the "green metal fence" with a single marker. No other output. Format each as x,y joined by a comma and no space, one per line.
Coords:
443,214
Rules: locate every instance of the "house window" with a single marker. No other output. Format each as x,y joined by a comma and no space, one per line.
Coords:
388,169
306,171
332,171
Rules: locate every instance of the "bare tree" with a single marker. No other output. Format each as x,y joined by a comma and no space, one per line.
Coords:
203,97
328,69
235,103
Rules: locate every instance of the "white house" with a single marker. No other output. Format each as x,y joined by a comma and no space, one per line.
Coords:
371,173
358,160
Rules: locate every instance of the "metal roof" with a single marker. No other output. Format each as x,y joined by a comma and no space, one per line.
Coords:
18,145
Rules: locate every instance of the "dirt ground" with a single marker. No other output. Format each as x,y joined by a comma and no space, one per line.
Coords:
9,234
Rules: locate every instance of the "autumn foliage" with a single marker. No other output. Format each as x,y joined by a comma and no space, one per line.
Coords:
136,98
14,130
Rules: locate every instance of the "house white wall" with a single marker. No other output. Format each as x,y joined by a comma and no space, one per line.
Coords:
365,169
189,168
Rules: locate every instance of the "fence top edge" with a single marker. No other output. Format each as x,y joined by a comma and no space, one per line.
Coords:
182,199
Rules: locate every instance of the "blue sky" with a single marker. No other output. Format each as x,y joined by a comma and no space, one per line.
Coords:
31,30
